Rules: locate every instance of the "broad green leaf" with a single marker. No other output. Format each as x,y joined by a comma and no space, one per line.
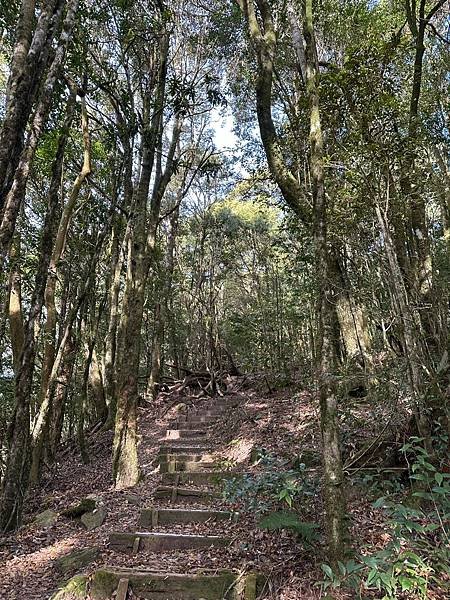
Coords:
327,570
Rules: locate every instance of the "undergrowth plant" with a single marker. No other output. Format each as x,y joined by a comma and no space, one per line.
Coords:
417,556
272,487
274,495
306,531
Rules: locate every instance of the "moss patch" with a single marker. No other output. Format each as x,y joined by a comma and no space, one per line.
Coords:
77,560
74,589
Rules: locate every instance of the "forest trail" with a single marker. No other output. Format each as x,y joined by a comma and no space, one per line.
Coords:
204,203
188,498
190,453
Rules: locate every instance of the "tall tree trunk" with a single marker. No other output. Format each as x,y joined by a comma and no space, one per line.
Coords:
421,272
350,314
264,39
16,194
83,399
325,354
41,426
158,340
111,355
16,479
162,306
125,459
140,251
95,381
119,248
60,397
58,252
125,465
28,65
15,309
409,328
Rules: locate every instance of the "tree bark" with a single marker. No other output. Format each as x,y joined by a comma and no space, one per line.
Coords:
162,307
119,247
48,361
60,397
16,479
140,252
16,194
15,309
29,63
350,314
325,349
409,327
125,459
41,424
95,381
421,272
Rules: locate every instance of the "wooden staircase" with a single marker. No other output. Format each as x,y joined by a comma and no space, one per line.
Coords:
189,476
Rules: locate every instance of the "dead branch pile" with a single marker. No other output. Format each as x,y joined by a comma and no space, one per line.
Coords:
195,384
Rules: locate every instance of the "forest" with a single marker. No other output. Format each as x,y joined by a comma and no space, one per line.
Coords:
224,300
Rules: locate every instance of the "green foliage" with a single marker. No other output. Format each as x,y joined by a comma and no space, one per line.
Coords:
238,246
348,574
385,572
306,531
226,464
235,216
418,553
274,486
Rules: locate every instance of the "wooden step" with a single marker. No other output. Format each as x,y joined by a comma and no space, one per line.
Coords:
199,419
192,424
180,466
212,412
185,457
220,584
184,495
212,415
193,458
184,449
181,434
197,477
152,517
163,542
195,441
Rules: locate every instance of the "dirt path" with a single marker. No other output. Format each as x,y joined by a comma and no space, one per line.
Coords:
184,517
172,536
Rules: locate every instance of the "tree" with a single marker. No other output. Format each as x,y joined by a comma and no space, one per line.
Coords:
264,40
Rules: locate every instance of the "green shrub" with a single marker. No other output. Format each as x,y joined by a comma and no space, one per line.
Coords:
306,531
418,553
273,486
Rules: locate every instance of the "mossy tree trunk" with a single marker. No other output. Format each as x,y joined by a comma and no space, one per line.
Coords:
40,428
325,358
419,16
29,61
263,35
142,231
16,478
18,167
15,307
110,356
60,397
